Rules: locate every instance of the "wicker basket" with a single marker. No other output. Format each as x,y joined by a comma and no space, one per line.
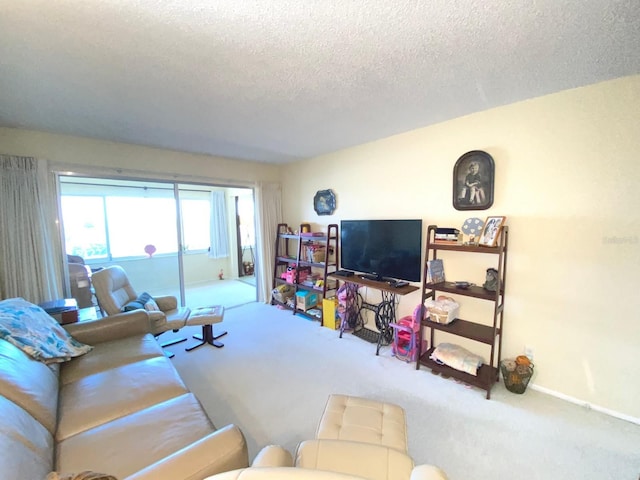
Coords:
516,376
282,293
316,254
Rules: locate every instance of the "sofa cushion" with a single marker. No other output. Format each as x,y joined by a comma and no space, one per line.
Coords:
26,445
365,420
30,384
84,403
31,329
153,434
111,354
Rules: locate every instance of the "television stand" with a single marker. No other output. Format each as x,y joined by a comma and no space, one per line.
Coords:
373,277
385,311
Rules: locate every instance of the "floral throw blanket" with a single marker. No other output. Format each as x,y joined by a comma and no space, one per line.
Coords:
32,330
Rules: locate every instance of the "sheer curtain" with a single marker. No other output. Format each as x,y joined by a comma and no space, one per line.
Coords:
219,227
30,247
269,214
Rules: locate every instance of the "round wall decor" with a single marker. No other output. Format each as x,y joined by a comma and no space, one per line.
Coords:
324,202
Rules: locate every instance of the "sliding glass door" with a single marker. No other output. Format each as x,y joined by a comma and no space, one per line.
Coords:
171,239
128,223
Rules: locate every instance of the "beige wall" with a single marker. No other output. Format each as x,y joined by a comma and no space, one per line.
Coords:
143,160
566,175
567,170
90,156
160,272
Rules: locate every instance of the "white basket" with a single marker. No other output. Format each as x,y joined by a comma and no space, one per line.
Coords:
442,311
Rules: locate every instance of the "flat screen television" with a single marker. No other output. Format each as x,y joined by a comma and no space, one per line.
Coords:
382,249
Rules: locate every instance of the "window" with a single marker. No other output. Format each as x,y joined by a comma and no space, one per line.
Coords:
84,222
136,222
106,219
245,212
196,224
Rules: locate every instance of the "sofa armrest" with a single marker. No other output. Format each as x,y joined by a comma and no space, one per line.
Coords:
112,327
427,472
166,302
273,456
220,451
367,460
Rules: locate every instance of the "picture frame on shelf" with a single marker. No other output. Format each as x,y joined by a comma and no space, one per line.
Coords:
491,231
324,202
473,181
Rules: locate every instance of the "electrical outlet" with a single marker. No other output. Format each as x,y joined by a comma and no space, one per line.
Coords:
528,351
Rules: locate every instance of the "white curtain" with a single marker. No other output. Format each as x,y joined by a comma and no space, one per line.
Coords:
30,247
219,227
269,215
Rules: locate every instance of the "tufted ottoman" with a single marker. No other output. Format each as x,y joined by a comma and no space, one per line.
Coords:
363,420
207,317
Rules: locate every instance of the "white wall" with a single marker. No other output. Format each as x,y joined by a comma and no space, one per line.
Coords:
566,177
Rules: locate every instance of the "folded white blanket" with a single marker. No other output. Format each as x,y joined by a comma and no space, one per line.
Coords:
457,357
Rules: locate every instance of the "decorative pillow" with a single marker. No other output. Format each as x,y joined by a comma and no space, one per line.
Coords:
32,330
141,302
457,357
151,306
132,305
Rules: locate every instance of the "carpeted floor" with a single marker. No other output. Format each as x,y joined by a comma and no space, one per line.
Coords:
249,279
276,370
229,293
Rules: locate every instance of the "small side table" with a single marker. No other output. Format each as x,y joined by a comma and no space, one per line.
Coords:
88,313
64,310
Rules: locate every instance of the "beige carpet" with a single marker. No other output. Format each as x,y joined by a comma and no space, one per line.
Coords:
276,370
230,293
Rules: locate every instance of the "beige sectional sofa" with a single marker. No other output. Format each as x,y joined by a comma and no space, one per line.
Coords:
120,409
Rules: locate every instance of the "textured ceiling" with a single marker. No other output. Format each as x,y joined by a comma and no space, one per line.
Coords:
282,80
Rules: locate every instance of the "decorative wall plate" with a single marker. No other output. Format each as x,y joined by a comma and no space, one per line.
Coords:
324,202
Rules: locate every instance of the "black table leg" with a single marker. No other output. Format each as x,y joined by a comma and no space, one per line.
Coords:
207,338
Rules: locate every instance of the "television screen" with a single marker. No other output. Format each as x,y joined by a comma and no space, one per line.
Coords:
383,249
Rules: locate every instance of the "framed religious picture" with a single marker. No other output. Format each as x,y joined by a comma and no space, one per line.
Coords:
491,231
473,180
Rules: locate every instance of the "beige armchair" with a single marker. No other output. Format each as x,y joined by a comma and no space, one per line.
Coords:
113,291
333,460
357,438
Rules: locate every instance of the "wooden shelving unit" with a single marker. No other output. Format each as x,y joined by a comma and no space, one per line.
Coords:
492,334
290,250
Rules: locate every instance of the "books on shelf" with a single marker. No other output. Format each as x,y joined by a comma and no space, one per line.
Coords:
447,236
435,271
446,242
447,231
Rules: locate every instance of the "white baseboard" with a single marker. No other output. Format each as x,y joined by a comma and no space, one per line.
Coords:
584,404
